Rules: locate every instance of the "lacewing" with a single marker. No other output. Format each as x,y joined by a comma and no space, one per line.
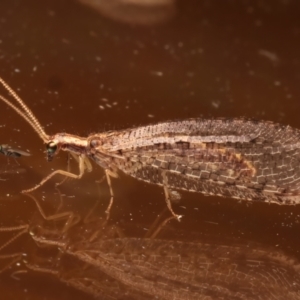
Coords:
237,158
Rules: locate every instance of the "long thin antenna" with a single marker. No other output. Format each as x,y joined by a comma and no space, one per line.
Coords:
41,133
34,121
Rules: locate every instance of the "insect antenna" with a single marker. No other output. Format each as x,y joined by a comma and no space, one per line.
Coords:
23,115
26,114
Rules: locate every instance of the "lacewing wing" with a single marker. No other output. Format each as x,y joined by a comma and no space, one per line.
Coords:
239,158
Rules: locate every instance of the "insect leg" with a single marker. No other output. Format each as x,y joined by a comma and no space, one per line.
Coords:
158,225
22,229
16,256
87,165
71,217
109,174
62,172
168,196
68,169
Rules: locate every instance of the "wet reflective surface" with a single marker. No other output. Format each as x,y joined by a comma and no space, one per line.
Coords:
81,72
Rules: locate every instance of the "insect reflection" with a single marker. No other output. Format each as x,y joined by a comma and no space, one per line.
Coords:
111,265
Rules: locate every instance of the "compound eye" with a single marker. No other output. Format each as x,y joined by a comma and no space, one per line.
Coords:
51,149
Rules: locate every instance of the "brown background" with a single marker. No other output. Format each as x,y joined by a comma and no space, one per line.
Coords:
82,73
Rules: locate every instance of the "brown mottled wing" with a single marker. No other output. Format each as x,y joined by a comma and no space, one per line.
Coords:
235,158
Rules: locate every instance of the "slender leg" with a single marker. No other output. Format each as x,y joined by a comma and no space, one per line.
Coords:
168,196
71,218
15,258
160,222
43,241
87,165
61,172
108,174
42,270
22,228
68,170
